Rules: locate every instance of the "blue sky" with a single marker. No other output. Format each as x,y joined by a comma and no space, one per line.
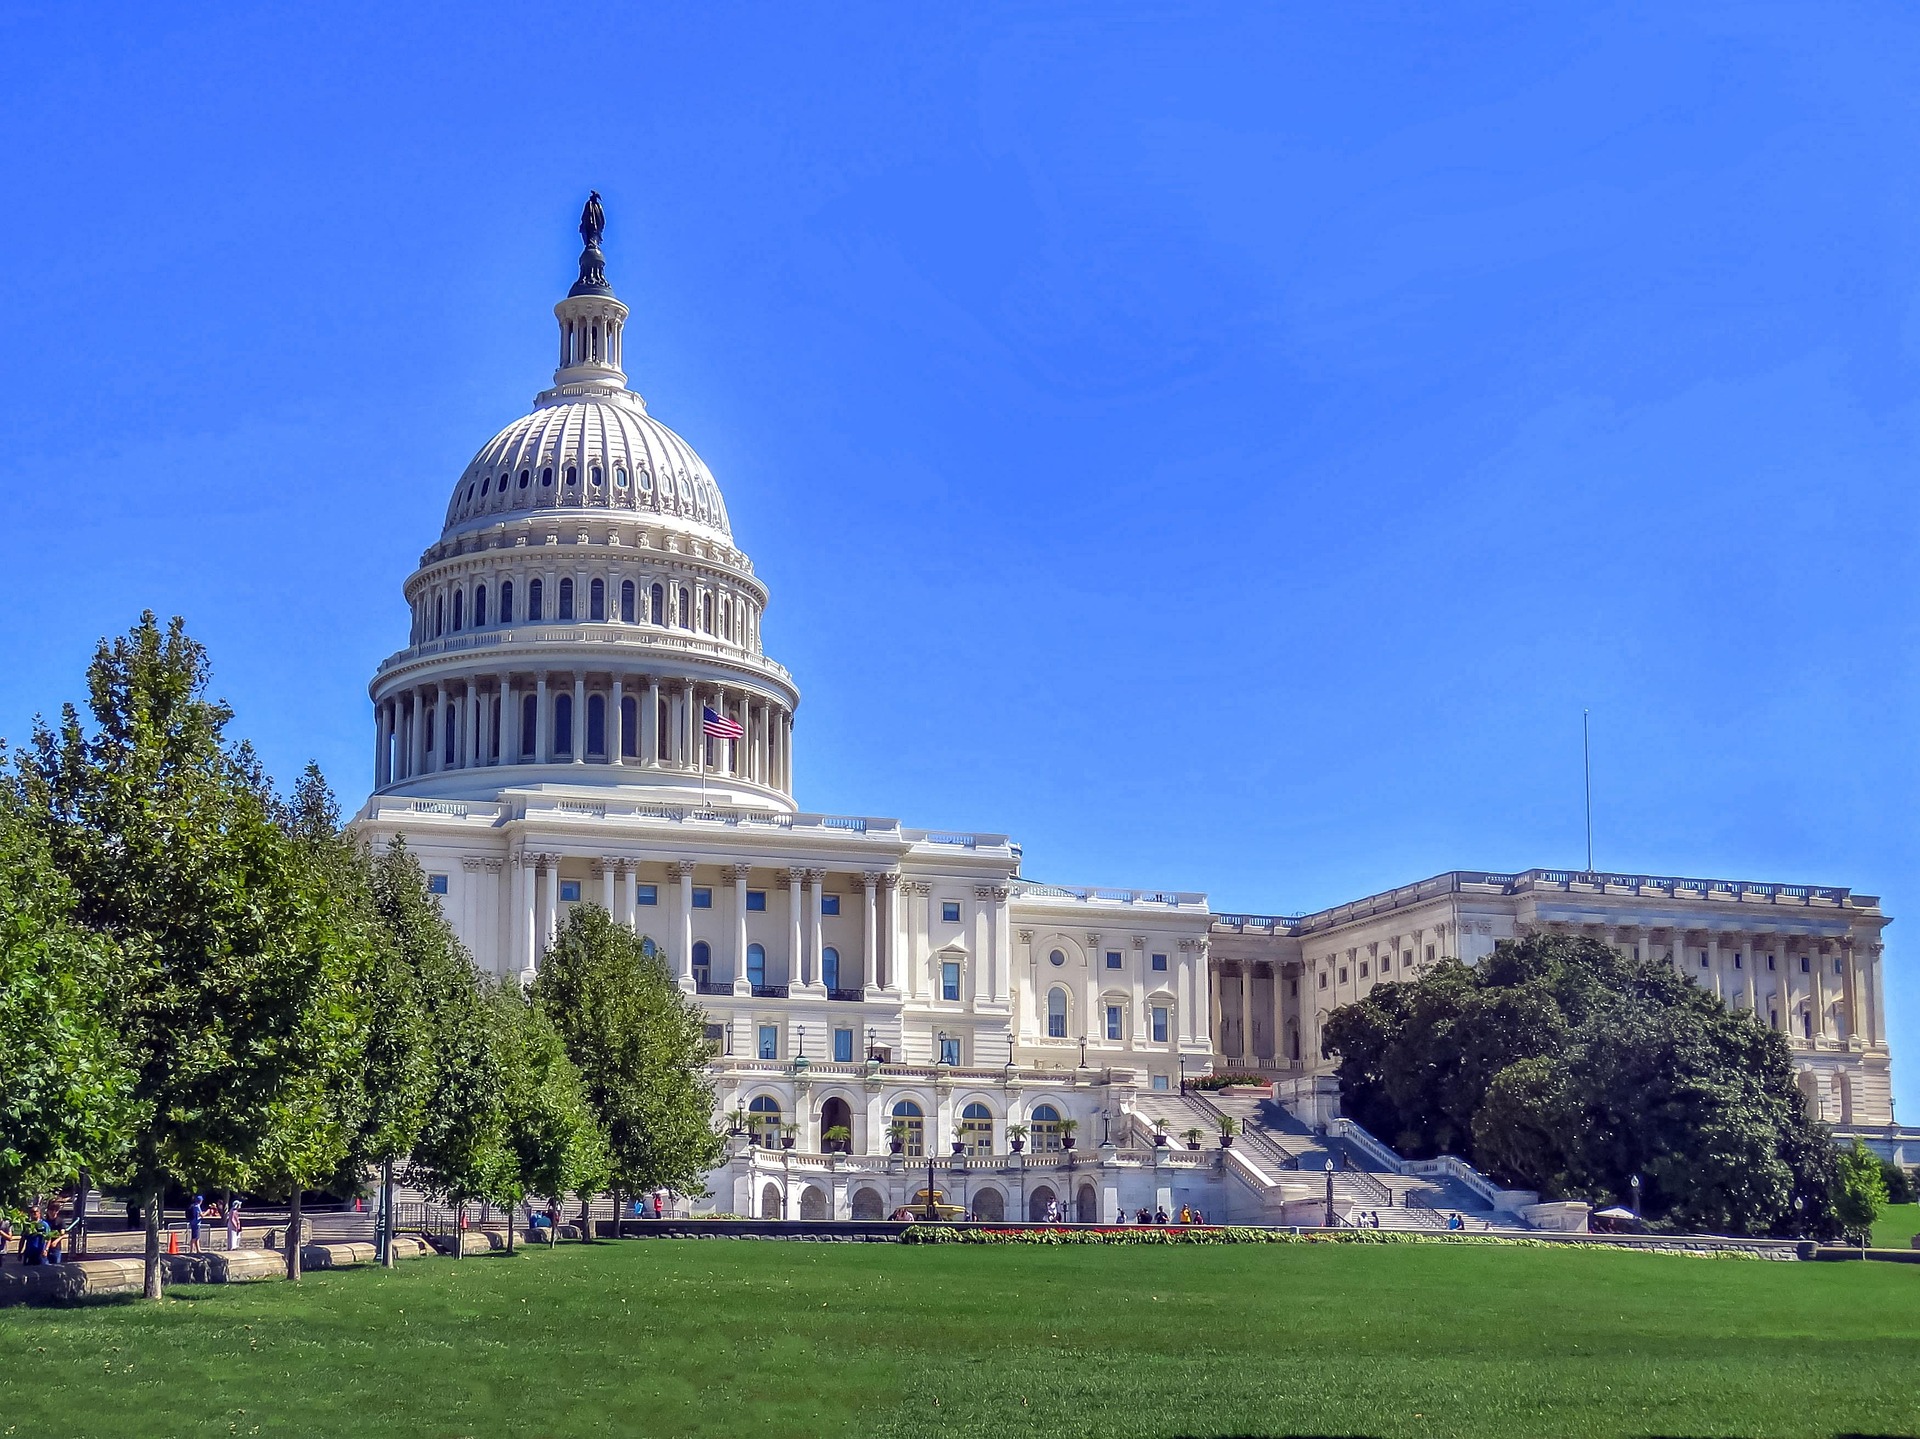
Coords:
1225,447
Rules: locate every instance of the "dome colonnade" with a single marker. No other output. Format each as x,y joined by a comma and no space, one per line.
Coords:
585,605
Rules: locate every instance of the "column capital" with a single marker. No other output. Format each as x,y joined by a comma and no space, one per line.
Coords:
869,881
740,873
815,876
682,870
793,878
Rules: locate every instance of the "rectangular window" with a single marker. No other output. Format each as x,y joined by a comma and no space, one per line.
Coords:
1159,964
1113,959
1363,969
569,891
1769,964
756,901
843,1046
1805,968
436,884
1116,1022
702,897
950,980
1736,962
1293,989
950,911
949,1049
1343,974
646,894
1836,967
717,1036
769,1041
1323,979
1160,1082
829,904
1429,954
1159,1024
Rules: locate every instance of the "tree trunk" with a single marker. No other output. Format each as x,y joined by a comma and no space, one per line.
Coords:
586,1218
460,1231
152,1289
293,1235
386,1214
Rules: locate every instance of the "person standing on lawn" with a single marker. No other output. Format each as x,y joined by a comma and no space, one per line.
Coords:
233,1222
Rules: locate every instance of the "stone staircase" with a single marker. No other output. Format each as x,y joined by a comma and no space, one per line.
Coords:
1368,1180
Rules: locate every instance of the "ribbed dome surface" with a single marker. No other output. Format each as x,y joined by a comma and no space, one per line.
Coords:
596,451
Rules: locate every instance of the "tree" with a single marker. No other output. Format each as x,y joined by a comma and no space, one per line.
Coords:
1560,1065
641,1048
411,940
552,1144
64,1085
168,833
1860,1192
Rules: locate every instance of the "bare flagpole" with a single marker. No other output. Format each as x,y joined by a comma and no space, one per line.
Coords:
1586,761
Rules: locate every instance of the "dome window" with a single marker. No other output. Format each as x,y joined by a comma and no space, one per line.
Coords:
534,588
597,601
646,480
573,475
469,492
657,605
486,483
458,600
565,611
525,475
480,607
595,475
546,475
626,602
506,602
620,476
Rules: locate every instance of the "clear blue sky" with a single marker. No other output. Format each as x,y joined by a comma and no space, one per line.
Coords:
1224,446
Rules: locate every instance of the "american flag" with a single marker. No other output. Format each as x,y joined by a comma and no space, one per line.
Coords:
719,726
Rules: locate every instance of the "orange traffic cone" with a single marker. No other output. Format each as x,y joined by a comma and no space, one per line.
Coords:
173,1241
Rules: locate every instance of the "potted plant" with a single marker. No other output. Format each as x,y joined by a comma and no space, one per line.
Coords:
787,1132
838,1139
1067,1129
1228,1127
1016,1137
959,1146
897,1136
1192,1136
1159,1134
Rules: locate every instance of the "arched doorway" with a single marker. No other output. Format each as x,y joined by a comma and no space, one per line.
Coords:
1037,1201
813,1202
989,1204
867,1204
1087,1206
1843,1099
836,1113
770,1205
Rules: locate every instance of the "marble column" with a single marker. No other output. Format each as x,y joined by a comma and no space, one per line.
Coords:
890,932
742,985
417,739
650,726
796,953
1214,1014
680,874
815,879
1246,1010
550,902
526,915
542,721
869,932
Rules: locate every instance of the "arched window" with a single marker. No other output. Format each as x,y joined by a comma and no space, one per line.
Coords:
439,615
706,613
620,476
629,726
596,724
525,475
563,724
479,607
565,611
529,719
493,738
573,475
1056,1014
657,605
450,726
430,727
662,730
830,967
626,602
757,966
459,602
595,475
535,595
546,475
763,1121
506,602
702,963
976,1128
469,491
485,482
1043,1128
686,609
910,1128
597,601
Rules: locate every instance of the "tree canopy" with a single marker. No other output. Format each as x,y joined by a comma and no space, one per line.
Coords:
1557,1064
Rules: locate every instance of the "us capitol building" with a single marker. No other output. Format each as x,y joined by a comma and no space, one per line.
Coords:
585,711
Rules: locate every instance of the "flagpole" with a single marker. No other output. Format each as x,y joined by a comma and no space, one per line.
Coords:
703,756
1586,764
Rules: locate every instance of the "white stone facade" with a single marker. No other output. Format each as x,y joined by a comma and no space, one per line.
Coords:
547,737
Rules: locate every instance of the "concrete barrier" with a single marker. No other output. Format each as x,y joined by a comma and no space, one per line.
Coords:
79,1279
472,1241
240,1266
335,1256
410,1246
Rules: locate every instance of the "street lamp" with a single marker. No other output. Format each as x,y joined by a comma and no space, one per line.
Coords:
1083,1051
872,1035
803,1039
1329,1194
1634,1180
1183,1073
943,1046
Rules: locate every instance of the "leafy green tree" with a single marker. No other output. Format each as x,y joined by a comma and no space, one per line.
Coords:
1898,1181
1560,1065
641,1049
1860,1191
64,1085
169,834
413,944
553,1145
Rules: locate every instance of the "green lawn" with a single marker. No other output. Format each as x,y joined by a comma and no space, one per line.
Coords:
1895,1227
721,1337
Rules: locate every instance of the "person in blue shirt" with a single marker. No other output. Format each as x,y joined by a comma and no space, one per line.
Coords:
195,1208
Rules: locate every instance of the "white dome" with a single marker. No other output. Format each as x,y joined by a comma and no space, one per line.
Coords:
598,450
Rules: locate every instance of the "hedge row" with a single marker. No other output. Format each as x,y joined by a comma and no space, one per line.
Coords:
1237,1234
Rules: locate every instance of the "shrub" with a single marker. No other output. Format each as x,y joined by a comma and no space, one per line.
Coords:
1221,1081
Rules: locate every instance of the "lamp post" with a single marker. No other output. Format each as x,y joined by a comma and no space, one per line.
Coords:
1083,1051
1634,1180
932,1212
1183,1072
944,1036
872,1035
1329,1194
803,1039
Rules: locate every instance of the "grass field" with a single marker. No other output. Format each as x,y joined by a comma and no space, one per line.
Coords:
721,1337
1895,1227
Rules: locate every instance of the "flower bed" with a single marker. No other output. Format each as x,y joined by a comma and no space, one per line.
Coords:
1240,1234
1226,1081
